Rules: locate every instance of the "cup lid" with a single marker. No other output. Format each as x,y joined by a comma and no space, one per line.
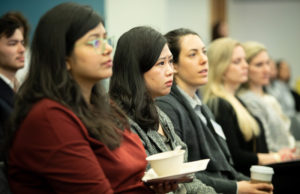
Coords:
262,169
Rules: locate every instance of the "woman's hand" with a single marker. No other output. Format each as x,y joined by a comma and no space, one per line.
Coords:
268,158
254,188
163,187
287,154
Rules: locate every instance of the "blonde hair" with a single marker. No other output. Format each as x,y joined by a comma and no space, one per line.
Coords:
252,49
219,55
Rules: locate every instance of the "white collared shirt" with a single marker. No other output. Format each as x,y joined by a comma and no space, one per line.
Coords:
196,105
7,81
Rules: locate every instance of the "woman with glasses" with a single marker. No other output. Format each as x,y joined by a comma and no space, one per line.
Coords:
143,71
66,136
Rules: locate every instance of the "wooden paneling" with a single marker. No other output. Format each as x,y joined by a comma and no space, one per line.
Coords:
218,12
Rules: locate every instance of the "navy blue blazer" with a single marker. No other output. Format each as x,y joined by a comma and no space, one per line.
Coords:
6,105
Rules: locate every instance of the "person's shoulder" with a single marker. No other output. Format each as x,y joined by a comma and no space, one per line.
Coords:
167,101
221,102
248,95
166,98
47,113
270,98
46,107
48,103
171,99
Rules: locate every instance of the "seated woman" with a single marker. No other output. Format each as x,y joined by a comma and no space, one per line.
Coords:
244,133
142,71
275,123
264,106
286,97
193,121
67,138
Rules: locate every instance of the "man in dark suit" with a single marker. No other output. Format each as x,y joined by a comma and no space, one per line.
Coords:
13,38
13,30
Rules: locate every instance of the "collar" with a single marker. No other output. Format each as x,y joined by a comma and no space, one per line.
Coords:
7,81
194,102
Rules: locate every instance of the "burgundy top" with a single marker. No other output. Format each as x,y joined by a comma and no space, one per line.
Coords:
53,153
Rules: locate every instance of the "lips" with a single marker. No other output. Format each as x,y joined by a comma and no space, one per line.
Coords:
21,59
203,71
108,63
169,83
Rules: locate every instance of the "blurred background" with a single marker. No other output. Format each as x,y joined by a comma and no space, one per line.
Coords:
275,23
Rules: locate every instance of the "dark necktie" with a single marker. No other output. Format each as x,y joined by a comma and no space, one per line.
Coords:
207,117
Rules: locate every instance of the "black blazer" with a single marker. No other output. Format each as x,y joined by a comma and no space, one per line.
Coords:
6,106
244,153
189,127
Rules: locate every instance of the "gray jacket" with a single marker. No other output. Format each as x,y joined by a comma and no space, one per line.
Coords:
200,139
153,144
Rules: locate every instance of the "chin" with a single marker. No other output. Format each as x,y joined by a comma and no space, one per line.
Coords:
16,68
265,83
244,80
106,75
165,93
202,82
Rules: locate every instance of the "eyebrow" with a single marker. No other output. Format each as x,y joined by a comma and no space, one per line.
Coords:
196,49
97,35
14,40
163,58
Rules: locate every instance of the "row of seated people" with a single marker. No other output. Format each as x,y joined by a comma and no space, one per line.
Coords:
287,97
67,136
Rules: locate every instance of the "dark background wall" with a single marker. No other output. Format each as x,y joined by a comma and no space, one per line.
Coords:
34,9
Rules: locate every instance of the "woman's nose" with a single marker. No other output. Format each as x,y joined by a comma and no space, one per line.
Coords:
203,59
170,69
245,64
107,49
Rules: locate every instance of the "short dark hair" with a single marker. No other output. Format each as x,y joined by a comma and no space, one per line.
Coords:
215,33
279,63
136,53
173,38
8,26
18,17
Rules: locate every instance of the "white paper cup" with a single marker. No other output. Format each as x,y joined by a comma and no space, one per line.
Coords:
261,174
167,163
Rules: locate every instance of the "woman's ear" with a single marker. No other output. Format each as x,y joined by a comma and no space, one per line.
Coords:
175,68
68,64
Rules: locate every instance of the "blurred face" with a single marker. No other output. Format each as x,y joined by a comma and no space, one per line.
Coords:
88,63
12,51
159,78
284,72
223,29
191,71
273,70
237,71
259,69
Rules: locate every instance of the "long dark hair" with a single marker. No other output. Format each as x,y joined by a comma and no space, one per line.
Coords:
136,53
53,41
